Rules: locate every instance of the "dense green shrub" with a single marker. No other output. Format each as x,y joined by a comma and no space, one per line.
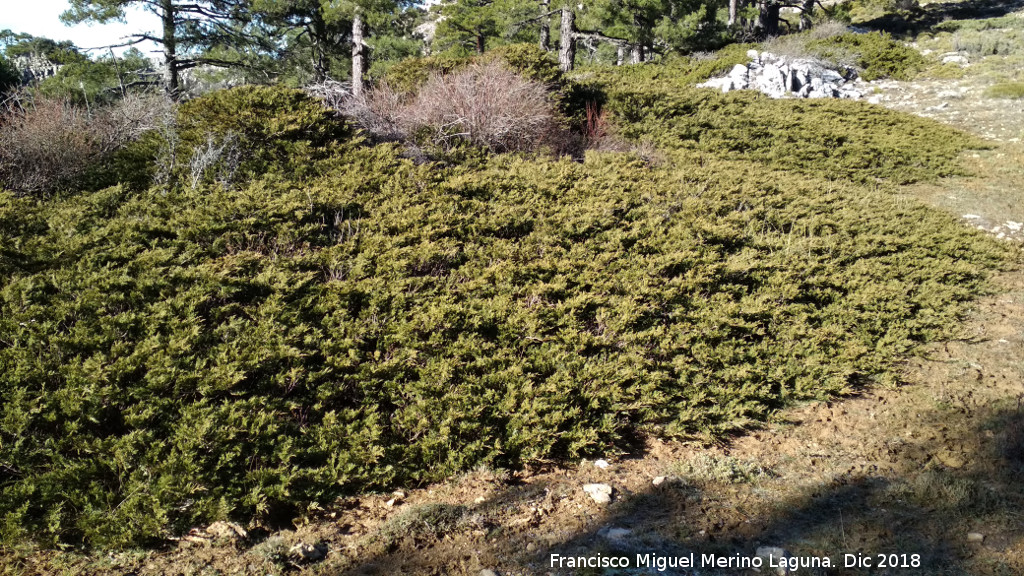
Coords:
409,74
255,129
172,357
876,54
529,61
837,139
1012,90
9,76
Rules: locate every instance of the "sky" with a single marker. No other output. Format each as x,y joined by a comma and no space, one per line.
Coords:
42,18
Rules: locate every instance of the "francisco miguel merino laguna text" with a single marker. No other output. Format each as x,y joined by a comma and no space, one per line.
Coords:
662,563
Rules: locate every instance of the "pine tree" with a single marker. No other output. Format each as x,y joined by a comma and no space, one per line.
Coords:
188,29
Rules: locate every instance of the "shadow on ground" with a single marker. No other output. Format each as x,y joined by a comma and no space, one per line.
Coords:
952,490
925,18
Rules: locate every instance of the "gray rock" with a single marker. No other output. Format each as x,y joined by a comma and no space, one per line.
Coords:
975,537
955,58
309,552
771,555
600,493
486,572
781,77
610,533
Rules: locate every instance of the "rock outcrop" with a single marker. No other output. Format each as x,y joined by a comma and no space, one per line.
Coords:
34,67
785,77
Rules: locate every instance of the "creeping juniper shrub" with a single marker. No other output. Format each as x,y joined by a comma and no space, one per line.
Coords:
268,128
876,54
173,357
830,138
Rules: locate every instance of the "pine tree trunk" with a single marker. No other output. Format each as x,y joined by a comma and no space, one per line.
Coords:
636,54
318,35
620,54
358,55
768,18
170,41
545,25
734,8
567,46
806,11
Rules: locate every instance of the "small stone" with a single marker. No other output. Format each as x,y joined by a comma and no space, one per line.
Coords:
479,500
617,533
309,552
600,493
226,530
602,464
658,480
486,572
772,555
975,537
531,547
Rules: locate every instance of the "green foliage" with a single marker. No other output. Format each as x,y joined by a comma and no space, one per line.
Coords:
1012,90
524,59
530,62
173,357
95,81
19,44
9,75
268,129
422,522
875,53
409,74
474,26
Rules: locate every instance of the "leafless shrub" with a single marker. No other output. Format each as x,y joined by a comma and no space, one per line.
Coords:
334,94
48,143
379,111
44,143
217,158
131,117
484,104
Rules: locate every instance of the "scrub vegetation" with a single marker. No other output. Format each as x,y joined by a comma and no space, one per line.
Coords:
311,314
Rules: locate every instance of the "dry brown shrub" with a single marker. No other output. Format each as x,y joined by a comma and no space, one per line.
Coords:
379,111
48,143
484,104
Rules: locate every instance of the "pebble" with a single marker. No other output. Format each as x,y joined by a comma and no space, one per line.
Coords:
975,537
486,572
602,464
309,552
617,533
774,553
658,480
600,493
